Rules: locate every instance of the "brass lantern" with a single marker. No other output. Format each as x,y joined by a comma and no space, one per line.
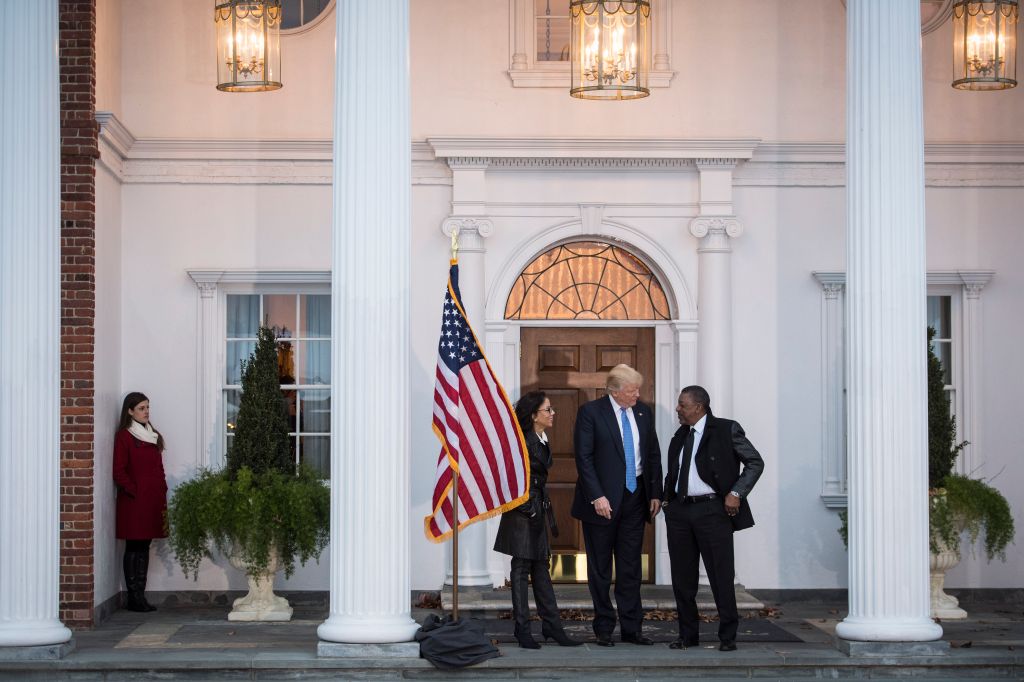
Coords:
985,45
248,45
611,48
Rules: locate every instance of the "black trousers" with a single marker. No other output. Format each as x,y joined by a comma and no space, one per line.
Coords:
621,541
704,529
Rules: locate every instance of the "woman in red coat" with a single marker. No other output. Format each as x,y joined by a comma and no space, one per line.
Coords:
141,494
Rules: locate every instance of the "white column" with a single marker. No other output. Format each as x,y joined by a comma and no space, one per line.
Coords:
833,395
30,320
210,342
714,307
474,549
886,327
970,459
370,587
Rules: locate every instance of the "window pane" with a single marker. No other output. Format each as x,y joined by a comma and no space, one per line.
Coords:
315,407
939,315
290,398
552,30
944,349
316,452
237,351
315,321
231,401
286,362
315,359
279,311
243,316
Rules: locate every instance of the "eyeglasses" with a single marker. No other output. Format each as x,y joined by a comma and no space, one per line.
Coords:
549,410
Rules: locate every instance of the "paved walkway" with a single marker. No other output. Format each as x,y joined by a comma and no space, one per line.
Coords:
200,644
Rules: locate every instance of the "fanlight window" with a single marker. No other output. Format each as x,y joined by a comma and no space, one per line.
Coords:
587,281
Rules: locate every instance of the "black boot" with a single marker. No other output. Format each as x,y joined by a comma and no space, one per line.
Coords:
141,573
136,600
547,607
521,603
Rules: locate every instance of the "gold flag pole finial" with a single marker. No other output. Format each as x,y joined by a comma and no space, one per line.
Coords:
455,245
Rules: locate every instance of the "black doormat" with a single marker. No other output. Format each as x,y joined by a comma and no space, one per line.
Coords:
751,630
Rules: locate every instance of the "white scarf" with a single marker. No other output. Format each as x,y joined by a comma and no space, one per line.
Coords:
143,432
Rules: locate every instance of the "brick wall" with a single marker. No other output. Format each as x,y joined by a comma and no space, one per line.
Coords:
78,152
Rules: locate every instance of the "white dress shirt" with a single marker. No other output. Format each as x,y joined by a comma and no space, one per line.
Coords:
695,485
636,433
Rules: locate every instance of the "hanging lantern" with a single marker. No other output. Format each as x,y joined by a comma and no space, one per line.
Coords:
610,48
985,45
248,45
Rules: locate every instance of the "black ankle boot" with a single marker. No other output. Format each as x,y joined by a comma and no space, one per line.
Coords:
525,638
557,633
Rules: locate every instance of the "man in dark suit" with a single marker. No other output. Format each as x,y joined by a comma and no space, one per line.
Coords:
618,492
705,502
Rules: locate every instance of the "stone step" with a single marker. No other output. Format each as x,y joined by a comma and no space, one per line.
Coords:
484,600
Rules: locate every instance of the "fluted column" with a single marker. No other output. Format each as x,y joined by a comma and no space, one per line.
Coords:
886,327
370,263
714,307
474,550
30,320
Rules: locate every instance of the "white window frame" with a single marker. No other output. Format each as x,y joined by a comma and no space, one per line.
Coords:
527,72
212,287
964,288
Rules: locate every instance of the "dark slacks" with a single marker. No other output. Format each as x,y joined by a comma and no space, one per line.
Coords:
622,540
702,528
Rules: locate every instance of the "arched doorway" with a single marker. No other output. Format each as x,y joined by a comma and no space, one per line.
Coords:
620,298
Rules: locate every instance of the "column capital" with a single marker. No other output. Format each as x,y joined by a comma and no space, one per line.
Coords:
472,231
715,232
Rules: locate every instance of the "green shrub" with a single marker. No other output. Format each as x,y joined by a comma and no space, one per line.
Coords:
260,502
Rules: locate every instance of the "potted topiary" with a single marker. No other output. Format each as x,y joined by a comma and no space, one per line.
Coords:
958,503
260,510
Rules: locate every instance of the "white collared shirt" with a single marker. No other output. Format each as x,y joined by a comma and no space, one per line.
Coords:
695,485
638,460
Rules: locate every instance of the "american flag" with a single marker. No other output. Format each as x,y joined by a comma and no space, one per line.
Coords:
473,419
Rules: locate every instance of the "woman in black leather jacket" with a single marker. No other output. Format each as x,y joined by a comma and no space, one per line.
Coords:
523,532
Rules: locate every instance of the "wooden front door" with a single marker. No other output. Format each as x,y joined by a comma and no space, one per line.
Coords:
571,366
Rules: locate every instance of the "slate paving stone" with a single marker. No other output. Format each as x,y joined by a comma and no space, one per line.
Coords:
751,630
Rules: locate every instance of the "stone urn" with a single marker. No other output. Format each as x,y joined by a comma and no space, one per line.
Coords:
944,606
261,604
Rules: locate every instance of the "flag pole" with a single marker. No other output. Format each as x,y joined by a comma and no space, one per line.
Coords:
455,486
455,547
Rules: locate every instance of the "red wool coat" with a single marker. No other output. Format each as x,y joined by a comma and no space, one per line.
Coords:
141,489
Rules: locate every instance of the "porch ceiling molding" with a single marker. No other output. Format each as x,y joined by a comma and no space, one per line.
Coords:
759,164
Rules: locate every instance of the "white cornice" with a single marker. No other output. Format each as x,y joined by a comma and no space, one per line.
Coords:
591,148
308,162
956,277
209,277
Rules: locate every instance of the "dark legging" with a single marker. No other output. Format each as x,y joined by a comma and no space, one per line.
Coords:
136,545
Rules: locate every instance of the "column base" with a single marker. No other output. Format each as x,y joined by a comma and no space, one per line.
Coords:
43,652
471,580
892,649
357,630
342,650
889,629
33,634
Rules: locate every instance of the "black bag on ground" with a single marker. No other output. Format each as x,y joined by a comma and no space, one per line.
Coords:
452,644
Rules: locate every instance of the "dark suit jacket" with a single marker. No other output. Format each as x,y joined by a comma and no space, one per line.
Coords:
601,459
523,531
723,448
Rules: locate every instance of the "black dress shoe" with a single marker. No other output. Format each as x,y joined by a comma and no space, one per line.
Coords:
680,644
605,640
638,638
727,646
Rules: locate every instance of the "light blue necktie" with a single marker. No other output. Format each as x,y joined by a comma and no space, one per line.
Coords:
627,445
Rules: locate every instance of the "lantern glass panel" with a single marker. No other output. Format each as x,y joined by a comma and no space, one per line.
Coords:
610,48
248,45
985,45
